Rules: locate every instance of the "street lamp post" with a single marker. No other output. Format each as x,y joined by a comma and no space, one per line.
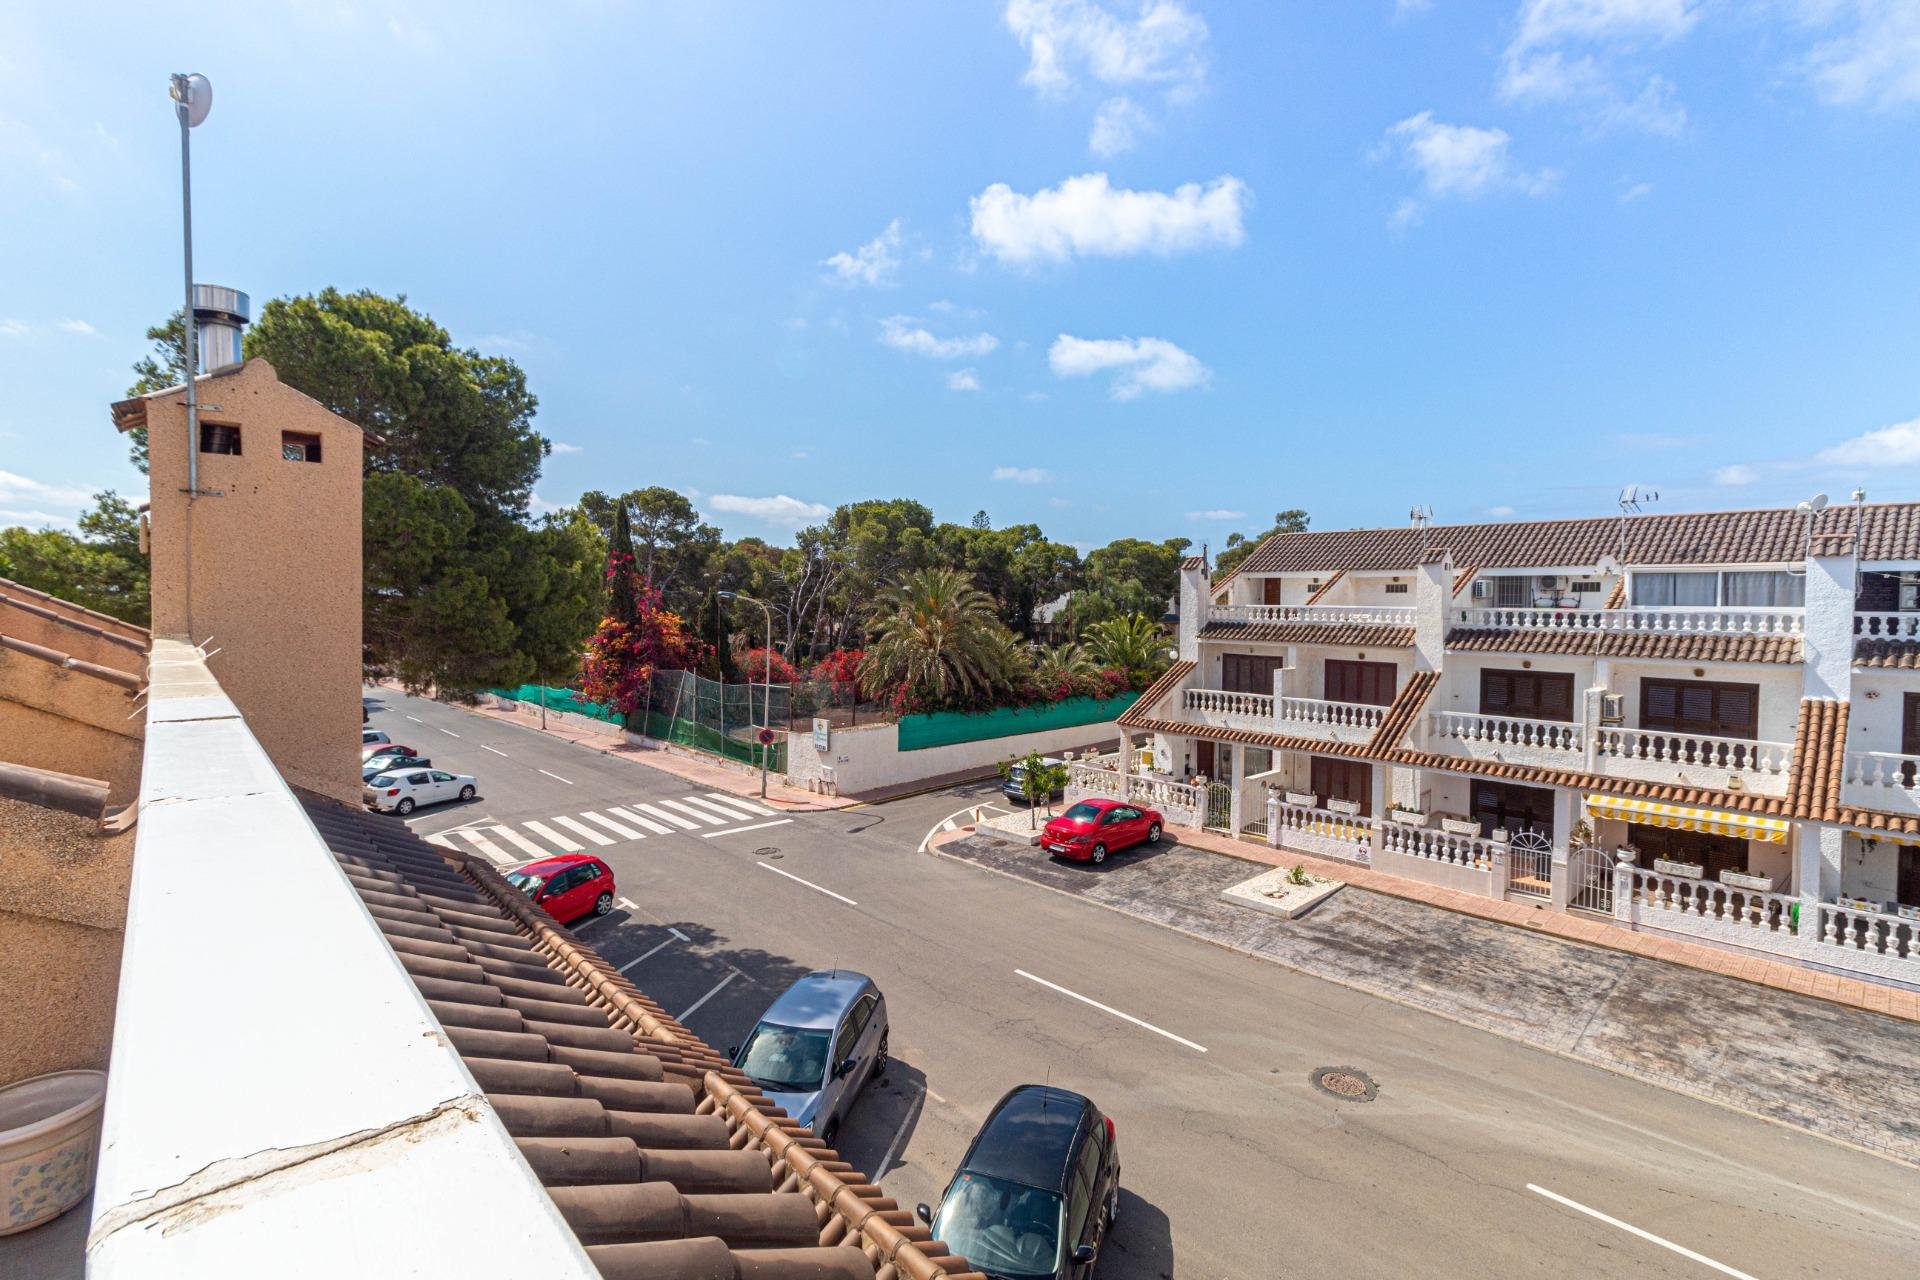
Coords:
766,705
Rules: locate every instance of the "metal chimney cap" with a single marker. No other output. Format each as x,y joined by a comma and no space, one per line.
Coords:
219,302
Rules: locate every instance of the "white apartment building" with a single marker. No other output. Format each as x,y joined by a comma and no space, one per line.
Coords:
1704,724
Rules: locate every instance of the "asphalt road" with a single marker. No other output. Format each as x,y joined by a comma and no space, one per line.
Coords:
1479,1157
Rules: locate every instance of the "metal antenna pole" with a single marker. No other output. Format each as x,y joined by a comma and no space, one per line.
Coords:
190,345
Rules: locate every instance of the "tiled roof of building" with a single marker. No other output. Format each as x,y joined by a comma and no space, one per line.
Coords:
1627,644
1311,633
1326,586
1461,579
1659,792
1251,737
1617,598
1194,562
1892,655
1169,680
77,617
666,1161
112,675
1406,708
1888,531
1819,752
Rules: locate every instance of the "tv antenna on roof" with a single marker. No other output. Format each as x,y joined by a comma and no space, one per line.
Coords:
1420,516
1632,499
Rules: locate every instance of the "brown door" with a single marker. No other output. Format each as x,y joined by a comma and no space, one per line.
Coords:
1368,682
1337,779
1910,724
1529,695
1248,672
1270,591
1701,706
1203,758
1517,809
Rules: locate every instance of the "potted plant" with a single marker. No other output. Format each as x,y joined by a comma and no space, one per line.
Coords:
1407,815
1686,870
1859,904
1349,807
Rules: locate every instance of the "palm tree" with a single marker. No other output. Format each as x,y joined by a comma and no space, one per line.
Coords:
1054,665
1132,643
938,634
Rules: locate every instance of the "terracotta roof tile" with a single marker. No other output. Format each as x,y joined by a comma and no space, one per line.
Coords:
1251,737
1819,754
1356,633
1627,644
1617,598
1461,580
1194,562
1326,586
1660,792
1169,680
665,1160
1405,710
1889,531
1891,655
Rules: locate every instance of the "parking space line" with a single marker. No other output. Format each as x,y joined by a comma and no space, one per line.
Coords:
628,815
662,945
1632,1230
615,827
497,751
734,831
708,806
676,933
664,816
519,841
1124,1017
768,866
582,829
738,803
566,844
442,839
695,1006
628,903
556,777
701,814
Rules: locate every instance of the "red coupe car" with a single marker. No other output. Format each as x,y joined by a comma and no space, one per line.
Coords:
569,885
1092,829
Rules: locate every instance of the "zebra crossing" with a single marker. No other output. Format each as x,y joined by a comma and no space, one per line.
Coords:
713,814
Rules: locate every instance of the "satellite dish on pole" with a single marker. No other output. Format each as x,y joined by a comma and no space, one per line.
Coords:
195,94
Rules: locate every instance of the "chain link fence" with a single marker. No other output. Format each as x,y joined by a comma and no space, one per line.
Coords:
723,719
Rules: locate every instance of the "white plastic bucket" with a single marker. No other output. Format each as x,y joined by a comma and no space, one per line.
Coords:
49,1139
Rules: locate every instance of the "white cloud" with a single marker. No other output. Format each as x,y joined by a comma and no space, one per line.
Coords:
1735,474
1088,217
1142,364
1500,513
1023,475
877,262
1459,162
75,326
540,506
1117,126
564,448
1877,64
1894,446
1638,191
1538,67
26,500
1408,8
1066,40
13,329
1059,502
963,380
902,334
1218,513
779,510
1036,396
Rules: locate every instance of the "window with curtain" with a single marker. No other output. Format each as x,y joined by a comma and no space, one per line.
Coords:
1766,589
1675,590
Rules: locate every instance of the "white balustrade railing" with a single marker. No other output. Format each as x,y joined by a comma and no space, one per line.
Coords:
1892,937
1884,771
1319,713
1694,750
1439,846
1319,614
1887,626
1660,621
1172,798
1226,702
1507,731
1709,900
1336,835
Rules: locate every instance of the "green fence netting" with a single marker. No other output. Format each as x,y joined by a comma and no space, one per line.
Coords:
944,728
723,719
560,700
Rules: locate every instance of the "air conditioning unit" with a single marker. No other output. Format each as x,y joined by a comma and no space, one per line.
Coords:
1482,588
1613,708
1549,583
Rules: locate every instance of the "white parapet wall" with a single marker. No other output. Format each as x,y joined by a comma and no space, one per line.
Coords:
280,1101
868,757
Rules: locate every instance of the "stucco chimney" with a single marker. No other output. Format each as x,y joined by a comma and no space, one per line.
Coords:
219,313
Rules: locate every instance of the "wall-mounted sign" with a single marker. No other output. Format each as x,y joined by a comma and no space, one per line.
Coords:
822,733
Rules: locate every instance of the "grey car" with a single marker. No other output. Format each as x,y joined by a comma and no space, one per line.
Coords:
817,1045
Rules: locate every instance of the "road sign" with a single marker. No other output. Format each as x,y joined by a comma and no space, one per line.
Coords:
766,737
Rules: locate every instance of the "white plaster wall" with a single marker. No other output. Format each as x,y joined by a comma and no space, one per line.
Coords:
1872,874
1311,679
1779,688
1873,718
868,758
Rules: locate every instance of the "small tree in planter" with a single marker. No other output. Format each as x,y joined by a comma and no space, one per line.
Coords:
1038,781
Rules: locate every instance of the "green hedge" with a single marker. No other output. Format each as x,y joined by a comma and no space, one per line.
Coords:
944,728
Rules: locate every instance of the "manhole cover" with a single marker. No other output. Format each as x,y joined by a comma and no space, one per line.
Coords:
767,851
1348,1083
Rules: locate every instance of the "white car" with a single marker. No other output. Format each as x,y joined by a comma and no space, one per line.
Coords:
406,791
372,738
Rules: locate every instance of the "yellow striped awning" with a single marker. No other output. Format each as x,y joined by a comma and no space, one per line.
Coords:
1746,825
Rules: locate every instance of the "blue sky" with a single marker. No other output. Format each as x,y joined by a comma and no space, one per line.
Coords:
1118,269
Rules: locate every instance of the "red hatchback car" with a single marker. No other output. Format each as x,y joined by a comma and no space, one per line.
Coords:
1092,829
569,885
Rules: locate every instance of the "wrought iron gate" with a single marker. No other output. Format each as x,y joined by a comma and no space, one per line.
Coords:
1219,807
1592,871
1530,865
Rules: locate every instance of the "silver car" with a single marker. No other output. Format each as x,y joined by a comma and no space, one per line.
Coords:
817,1045
407,790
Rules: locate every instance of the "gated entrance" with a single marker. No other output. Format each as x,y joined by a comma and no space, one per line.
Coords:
1592,871
1219,807
1530,863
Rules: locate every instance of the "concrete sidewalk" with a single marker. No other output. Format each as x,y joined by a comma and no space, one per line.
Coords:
1842,1073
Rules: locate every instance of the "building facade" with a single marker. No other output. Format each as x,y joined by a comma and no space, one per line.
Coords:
1703,724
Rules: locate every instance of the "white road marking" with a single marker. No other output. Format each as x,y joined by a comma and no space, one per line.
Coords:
497,751
726,814
582,829
899,1135
556,777
951,821
619,829
662,945
515,838
628,903
676,933
936,1097
450,733
501,858
664,816
695,1006
567,844
701,814
416,719
768,866
738,802
628,815
1124,1017
1648,1236
758,826
442,839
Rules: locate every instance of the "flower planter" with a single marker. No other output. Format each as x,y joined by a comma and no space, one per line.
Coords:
1687,870
1498,835
1408,817
1745,880
1349,807
1460,826
1860,904
1907,913
49,1138
1305,799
